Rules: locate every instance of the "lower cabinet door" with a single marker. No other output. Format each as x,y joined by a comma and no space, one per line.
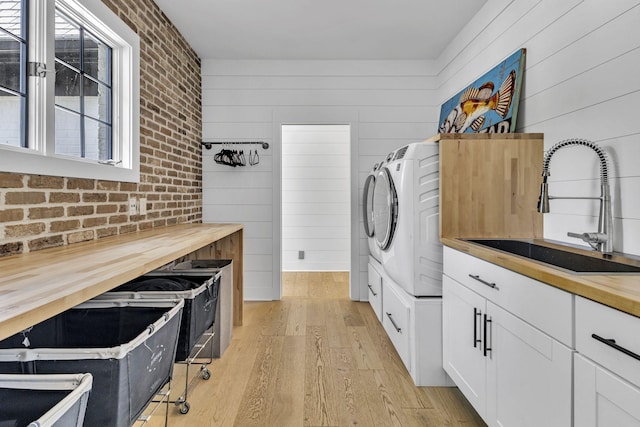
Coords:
529,374
462,355
602,399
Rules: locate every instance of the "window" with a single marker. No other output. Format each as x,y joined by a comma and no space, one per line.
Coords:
69,90
83,92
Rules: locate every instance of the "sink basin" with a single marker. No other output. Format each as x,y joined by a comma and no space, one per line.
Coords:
573,262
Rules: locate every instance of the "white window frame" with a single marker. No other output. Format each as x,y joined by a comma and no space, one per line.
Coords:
40,157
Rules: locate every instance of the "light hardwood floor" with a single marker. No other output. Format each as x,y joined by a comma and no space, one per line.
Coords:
315,358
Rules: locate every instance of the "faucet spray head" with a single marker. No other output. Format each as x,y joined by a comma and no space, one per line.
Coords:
543,200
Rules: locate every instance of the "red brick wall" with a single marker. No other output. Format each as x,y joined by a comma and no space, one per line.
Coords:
38,212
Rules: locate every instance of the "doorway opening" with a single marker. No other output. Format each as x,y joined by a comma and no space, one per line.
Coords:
316,209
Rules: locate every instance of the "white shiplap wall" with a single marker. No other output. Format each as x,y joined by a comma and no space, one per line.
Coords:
386,103
316,214
583,58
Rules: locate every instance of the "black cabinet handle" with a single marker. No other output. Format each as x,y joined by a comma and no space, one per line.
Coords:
394,323
612,343
371,289
484,282
487,321
476,314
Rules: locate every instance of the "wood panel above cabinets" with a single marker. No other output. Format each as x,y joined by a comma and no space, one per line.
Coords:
489,185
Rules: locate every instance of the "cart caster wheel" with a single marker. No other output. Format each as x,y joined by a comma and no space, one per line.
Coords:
184,408
206,374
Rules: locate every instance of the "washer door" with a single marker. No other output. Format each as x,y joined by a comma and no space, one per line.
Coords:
385,208
367,205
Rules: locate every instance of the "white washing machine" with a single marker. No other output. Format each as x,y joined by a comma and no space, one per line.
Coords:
406,218
367,212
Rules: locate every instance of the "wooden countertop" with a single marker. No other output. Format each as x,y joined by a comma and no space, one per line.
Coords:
38,285
620,291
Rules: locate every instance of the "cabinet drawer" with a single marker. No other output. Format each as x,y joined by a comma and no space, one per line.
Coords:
374,284
595,321
396,312
545,307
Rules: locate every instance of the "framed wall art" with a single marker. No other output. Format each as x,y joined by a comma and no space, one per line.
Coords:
490,104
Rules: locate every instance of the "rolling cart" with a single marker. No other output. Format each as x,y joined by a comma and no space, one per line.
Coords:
44,400
128,346
199,291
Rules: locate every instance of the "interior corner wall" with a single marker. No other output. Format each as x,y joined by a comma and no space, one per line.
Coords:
580,81
387,103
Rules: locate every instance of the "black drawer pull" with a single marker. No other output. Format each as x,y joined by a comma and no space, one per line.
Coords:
487,322
371,289
484,282
612,343
394,323
476,314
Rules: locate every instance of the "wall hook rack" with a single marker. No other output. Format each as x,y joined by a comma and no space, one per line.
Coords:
209,144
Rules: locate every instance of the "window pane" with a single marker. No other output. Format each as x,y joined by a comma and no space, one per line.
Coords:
10,61
96,100
97,58
13,49
98,140
67,87
68,133
67,41
11,14
11,131
83,91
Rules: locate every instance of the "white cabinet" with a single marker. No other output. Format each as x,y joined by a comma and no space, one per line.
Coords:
414,326
607,367
462,351
514,373
602,399
528,374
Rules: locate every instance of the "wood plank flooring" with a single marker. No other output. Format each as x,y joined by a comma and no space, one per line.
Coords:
315,358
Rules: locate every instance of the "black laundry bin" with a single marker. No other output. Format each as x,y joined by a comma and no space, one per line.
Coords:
128,346
44,400
199,292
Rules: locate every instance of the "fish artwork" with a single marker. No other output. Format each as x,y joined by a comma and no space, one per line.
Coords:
476,102
490,103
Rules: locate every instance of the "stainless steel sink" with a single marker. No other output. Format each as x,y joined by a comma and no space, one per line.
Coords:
573,262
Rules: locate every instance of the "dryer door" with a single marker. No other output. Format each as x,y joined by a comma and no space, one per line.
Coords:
385,208
367,205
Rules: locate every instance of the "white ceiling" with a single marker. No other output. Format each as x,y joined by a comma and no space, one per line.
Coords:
319,29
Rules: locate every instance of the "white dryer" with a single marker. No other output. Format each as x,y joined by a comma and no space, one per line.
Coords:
367,212
406,218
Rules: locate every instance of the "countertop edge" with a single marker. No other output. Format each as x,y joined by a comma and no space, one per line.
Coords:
37,285
617,291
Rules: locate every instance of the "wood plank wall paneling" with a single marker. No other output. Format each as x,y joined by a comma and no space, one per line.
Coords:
316,214
581,57
579,82
387,103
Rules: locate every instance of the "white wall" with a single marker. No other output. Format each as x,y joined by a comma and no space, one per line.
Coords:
581,81
316,215
386,103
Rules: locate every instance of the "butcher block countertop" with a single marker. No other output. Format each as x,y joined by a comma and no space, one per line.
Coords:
620,291
38,285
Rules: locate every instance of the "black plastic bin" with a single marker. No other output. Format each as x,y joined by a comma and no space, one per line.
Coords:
128,346
44,400
200,295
